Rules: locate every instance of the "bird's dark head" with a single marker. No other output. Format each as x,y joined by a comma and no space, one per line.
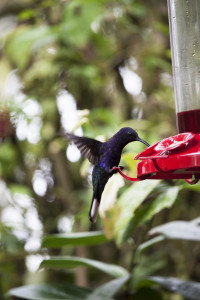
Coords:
128,135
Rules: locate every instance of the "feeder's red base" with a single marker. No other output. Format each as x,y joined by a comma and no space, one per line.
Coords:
176,157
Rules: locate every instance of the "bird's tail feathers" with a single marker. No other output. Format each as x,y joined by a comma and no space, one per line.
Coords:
94,209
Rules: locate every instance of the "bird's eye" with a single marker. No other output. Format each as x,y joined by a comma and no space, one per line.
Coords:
129,133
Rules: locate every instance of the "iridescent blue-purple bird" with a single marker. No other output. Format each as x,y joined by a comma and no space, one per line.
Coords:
105,157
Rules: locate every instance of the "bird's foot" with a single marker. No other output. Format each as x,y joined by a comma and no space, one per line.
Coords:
116,169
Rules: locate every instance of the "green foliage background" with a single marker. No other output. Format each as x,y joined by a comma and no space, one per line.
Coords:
80,46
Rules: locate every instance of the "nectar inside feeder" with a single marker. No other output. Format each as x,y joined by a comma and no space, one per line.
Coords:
178,157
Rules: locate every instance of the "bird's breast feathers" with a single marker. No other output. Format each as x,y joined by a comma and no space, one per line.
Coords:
109,158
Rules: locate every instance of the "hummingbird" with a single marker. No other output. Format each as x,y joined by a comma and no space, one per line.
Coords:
105,157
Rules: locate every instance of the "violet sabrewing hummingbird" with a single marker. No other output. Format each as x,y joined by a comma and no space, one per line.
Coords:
105,157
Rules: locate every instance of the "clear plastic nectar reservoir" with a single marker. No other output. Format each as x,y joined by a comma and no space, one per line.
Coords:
184,24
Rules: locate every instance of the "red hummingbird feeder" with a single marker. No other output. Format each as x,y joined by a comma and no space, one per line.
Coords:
178,157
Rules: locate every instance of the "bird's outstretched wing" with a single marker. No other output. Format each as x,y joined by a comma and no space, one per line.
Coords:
88,147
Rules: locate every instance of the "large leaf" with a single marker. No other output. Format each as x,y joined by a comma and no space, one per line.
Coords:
145,267
107,290
74,239
109,196
181,230
50,292
129,202
68,291
188,289
149,243
164,200
108,209
73,262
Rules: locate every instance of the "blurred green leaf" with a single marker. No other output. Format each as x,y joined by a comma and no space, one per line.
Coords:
50,291
137,9
149,243
73,262
130,200
8,159
26,14
107,209
128,159
189,289
7,152
68,291
23,43
41,69
153,62
77,238
103,116
9,242
181,230
146,265
87,71
109,289
75,17
146,212
20,189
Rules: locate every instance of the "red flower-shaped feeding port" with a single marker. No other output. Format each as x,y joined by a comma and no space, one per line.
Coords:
176,157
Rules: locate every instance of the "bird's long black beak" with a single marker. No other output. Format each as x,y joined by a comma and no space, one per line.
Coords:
142,141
